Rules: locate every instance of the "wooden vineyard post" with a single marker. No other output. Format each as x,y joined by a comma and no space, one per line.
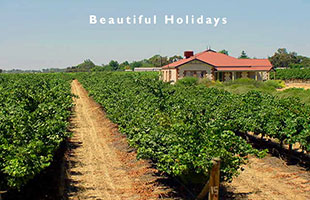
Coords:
1,192
212,187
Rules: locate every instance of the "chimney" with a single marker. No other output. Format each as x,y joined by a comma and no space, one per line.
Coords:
188,54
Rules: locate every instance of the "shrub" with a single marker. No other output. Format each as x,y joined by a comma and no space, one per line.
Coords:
188,81
275,83
241,81
207,82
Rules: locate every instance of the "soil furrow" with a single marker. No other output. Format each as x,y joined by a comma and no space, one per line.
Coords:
97,168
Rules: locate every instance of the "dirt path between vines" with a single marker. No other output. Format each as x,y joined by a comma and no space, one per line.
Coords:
271,178
296,85
101,165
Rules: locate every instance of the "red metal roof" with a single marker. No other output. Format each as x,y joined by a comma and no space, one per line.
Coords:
223,62
229,69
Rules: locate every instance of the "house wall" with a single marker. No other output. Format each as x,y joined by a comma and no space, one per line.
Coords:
195,68
169,75
228,76
260,76
163,75
174,77
265,76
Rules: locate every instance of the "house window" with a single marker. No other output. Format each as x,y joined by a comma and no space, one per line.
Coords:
199,74
220,76
187,73
169,75
238,75
202,74
252,75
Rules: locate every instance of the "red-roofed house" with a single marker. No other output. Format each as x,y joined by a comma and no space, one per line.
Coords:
216,66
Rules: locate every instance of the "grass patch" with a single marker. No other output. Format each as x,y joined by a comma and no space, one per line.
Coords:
244,85
301,93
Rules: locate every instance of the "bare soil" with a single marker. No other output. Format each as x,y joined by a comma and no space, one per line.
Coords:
271,177
101,165
296,85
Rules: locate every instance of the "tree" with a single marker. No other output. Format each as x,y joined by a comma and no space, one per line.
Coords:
71,69
224,52
304,61
97,68
174,58
114,65
158,61
86,66
127,67
1,71
107,68
124,65
243,55
282,58
136,64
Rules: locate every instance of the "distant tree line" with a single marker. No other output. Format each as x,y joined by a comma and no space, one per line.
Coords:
282,58
154,61
21,71
52,70
243,55
86,66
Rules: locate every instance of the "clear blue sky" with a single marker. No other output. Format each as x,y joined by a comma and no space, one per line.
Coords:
36,34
